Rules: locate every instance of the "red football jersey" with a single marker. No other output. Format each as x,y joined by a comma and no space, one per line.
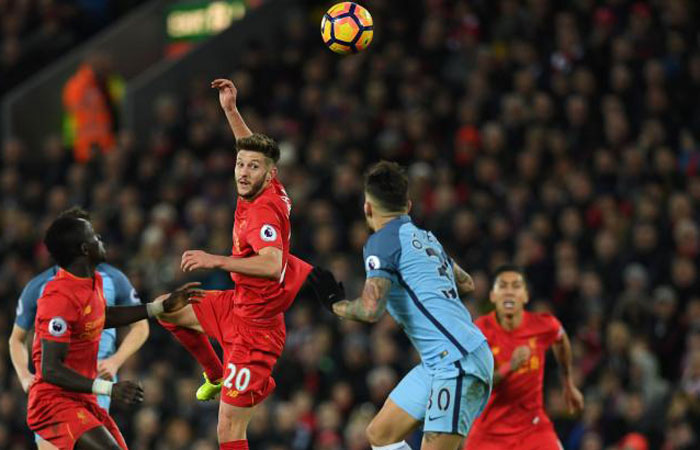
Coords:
516,402
264,222
70,310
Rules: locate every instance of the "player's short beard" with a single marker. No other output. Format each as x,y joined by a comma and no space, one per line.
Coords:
254,189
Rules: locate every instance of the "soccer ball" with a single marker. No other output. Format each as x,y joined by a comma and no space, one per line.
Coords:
347,28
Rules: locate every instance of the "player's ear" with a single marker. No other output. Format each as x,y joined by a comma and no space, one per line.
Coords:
368,209
409,205
272,173
84,249
492,296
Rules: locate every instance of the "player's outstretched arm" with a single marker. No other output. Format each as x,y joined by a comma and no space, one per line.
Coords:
562,352
465,284
227,98
55,372
266,264
118,316
370,306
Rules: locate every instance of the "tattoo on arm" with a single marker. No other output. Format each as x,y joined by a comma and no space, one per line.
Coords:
370,306
464,281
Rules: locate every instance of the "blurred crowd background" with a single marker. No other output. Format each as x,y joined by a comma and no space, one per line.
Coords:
558,135
34,33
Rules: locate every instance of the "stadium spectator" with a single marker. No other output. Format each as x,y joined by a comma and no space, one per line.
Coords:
91,98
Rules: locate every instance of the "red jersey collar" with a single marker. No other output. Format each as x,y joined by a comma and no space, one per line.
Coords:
514,330
63,273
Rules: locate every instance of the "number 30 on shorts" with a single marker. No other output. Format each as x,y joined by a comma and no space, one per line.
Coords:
242,378
443,399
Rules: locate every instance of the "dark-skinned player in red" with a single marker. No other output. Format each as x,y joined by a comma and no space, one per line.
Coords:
248,320
514,417
71,314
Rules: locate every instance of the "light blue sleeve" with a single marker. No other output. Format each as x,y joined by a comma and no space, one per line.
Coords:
26,305
125,294
382,253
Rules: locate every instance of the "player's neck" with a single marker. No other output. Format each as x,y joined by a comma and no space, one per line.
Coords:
510,322
381,221
81,268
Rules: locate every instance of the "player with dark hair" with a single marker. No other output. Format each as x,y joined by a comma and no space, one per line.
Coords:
410,275
117,290
71,314
247,321
515,416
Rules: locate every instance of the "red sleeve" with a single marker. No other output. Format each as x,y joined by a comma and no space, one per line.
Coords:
56,317
264,228
554,331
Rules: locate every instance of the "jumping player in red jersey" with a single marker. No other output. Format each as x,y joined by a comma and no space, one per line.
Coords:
247,321
514,417
71,314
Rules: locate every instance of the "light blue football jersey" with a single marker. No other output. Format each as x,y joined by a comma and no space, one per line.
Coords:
117,289
423,298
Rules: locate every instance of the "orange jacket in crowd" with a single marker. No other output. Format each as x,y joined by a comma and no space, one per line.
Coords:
89,125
